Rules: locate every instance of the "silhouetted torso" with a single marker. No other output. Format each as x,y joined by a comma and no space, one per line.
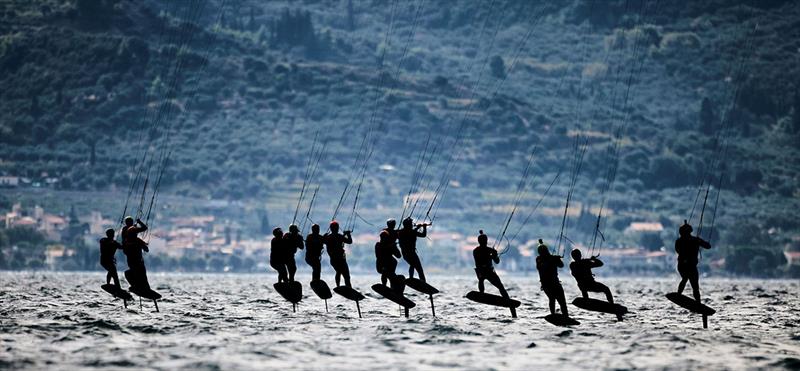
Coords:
108,248
548,265
688,248
407,238
385,253
277,250
293,241
314,243
334,242
582,269
484,257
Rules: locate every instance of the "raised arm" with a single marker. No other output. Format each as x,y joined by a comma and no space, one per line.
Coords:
142,227
596,262
348,239
559,262
703,243
424,232
495,257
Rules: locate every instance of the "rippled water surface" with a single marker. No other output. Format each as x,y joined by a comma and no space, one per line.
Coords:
65,321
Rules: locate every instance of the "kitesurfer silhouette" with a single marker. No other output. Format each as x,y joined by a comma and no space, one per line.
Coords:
108,248
582,271
133,246
407,237
386,253
334,242
484,257
294,241
548,265
688,249
277,255
314,243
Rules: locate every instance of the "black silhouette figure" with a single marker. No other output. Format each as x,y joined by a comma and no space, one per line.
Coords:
108,248
688,249
582,271
314,244
294,241
407,237
485,256
277,255
133,246
548,265
334,242
386,253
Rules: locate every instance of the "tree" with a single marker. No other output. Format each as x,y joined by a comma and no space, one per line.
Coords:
498,67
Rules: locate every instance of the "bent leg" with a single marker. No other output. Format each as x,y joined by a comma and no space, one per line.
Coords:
495,280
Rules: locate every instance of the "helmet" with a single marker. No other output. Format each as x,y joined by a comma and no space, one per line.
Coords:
315,228
685,229
110,232
293,228
391,223
277,232
129,220
576,254
384,236
334,226
482,238
408,222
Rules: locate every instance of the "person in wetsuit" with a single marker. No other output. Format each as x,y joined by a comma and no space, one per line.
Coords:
314,244
582,271
133,246
294,241
334,243
386,253
277,254
484,257
407,237
548,265
108,248
688,249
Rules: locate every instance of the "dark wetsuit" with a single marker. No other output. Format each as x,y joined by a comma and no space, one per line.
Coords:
582,271
293,241
335,247
385,260
548,265
108,248
314,244
484,257
407,237
133,246
277,257
688,249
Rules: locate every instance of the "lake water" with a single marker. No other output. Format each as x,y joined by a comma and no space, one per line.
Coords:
65,321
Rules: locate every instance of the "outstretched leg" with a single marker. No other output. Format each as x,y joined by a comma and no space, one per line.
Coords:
694,281
562,302
421,273
682,285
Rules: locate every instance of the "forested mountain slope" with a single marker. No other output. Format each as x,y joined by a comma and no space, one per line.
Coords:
238,90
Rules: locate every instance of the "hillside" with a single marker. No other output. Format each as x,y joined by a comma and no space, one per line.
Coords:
237,94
